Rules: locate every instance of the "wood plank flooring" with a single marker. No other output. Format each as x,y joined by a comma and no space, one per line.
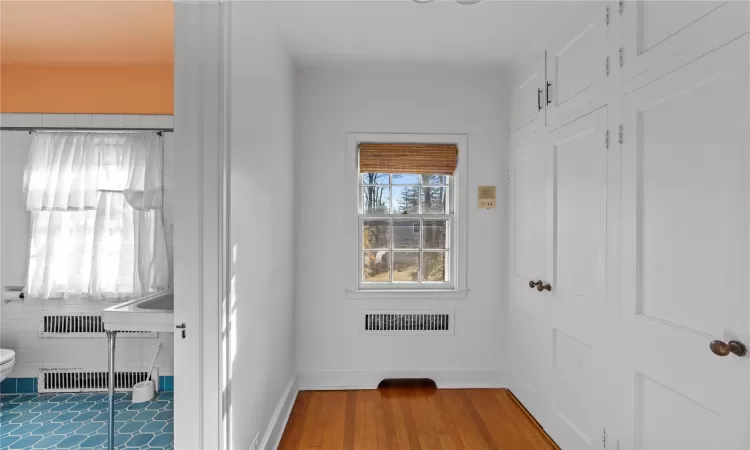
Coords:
411,418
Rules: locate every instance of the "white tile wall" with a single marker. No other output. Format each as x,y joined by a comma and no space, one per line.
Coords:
19,321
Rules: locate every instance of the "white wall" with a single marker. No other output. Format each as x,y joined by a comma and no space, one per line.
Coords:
20,320
262,224
331,102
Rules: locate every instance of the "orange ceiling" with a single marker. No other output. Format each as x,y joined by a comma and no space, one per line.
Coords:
103,32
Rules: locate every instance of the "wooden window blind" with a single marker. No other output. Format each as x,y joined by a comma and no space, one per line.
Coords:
438,159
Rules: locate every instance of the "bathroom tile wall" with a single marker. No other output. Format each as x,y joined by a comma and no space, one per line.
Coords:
19,321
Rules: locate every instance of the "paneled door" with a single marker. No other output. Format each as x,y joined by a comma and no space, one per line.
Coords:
686,244
532,249
528,100
577,65
560,306
579,314
660,36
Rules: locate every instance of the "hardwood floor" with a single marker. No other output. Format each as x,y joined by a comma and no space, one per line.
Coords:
408,418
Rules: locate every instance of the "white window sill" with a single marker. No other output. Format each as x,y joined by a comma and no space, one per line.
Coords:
407,294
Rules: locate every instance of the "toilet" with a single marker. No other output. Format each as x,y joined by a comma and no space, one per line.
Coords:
7,360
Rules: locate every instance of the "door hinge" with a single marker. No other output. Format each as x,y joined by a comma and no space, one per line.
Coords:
622,6
606,65
622,55
620,135
606,15
509,174
604,438
606,138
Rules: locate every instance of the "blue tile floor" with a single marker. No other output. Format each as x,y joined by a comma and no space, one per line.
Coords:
79,421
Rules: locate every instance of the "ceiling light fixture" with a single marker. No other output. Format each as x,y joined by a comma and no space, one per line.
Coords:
421,1
468,2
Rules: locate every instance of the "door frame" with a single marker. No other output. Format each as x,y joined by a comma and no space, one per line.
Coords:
201,238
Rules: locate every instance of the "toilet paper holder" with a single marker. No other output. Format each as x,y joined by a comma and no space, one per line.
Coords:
13,293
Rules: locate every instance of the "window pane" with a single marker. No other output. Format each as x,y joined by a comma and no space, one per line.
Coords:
406,178
434,179
374,178
405,199
433,200
376,267
406,234
435,232
405,266
434,266
376,199
376,234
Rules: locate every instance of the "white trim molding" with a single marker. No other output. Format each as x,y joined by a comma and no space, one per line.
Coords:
459,220
411,294
280,417
200,177
331,380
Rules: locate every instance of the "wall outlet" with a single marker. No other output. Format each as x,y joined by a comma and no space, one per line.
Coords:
256,442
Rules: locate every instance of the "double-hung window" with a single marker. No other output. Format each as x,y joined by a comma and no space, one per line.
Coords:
407,215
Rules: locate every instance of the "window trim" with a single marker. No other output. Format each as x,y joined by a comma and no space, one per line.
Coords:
457,288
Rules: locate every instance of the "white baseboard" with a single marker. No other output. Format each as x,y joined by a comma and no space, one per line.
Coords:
275,430
369,379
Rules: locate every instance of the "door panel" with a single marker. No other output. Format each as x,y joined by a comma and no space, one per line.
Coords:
532,240
685,211
528,101
576,65
660,36
579,311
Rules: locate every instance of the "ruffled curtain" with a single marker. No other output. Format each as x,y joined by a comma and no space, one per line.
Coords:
96,229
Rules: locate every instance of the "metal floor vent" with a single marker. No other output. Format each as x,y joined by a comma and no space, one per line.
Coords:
407,322
76,380
80,325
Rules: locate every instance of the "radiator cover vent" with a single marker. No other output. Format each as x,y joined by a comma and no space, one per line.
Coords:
76,380
407,322
79,325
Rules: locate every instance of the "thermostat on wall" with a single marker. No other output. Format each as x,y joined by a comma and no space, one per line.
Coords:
486,196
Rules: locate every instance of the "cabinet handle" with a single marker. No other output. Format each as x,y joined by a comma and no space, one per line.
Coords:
549,85
539,99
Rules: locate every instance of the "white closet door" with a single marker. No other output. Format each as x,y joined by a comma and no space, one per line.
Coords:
531,261
579,313
577,64
660,36
685,244
528,100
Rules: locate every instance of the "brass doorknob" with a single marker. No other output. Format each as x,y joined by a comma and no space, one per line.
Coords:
540,286
721,348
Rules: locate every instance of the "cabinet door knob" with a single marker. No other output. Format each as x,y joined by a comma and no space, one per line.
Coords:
534,284
721,348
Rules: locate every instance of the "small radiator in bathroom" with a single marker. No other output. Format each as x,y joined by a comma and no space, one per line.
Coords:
407,322
76,380
77,325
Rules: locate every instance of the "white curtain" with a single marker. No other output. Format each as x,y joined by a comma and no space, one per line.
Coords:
96,221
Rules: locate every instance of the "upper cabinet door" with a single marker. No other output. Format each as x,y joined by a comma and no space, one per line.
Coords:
528,100
577,65
660,36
